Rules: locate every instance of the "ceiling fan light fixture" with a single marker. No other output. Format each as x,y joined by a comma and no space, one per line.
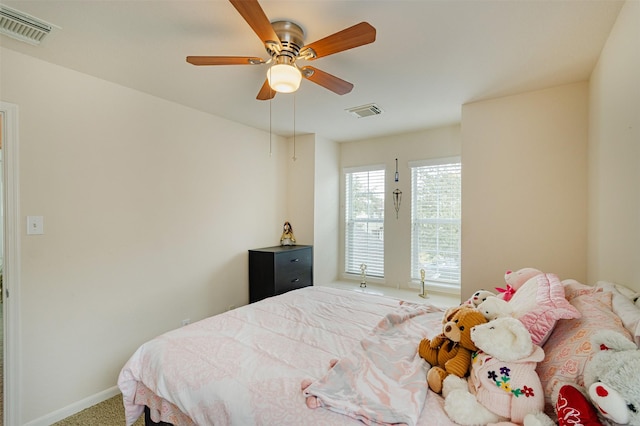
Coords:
284,78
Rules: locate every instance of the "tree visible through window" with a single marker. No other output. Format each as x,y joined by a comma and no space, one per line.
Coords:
435,220
364,220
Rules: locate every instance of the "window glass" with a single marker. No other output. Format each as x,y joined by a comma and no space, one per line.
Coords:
435,220
364,221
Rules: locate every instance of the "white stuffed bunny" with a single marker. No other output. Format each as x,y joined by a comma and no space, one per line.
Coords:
494,307
503,382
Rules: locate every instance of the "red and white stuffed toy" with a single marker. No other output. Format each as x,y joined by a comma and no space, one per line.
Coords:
611,382
573,408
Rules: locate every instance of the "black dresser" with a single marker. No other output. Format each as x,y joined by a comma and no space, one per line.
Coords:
276,270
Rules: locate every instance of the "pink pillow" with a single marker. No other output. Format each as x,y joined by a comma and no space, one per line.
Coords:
539,304
569,347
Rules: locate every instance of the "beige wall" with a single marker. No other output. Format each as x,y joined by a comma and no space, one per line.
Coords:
614,152
300,187
312,187
434,143
149,209
326,210
524,185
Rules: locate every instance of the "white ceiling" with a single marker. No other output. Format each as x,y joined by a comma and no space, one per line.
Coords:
429,58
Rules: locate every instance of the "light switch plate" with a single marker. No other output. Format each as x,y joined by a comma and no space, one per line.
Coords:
35,225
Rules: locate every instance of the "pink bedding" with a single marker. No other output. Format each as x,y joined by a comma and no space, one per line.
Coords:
247,366
381,381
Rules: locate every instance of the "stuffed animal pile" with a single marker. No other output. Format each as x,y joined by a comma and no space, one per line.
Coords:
483,339
503,385
450,352
612,384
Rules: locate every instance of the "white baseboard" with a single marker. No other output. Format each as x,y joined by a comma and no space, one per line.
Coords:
74,408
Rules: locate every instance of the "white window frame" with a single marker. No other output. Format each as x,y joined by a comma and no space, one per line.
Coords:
438,273
373,256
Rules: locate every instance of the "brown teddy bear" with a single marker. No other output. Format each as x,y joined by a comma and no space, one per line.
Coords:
450,352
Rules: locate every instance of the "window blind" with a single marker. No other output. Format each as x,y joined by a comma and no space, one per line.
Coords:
364,221
435,220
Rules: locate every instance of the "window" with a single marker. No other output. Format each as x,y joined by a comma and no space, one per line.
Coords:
435,220
364,220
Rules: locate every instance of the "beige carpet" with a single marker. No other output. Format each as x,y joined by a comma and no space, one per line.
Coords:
107,413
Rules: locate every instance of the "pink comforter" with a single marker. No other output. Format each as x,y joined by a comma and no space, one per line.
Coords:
246,366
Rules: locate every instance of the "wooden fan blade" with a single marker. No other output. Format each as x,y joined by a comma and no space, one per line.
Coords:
256,18
266,92
224,60
326,80
357,35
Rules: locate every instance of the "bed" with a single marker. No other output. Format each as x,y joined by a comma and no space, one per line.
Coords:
248,365
354,352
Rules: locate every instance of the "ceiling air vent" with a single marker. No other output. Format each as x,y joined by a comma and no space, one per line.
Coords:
22,27
365,110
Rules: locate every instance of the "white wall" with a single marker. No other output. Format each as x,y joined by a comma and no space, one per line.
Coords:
149,209
524,185
614,152
434,143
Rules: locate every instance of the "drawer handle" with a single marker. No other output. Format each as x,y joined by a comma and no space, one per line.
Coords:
295,280
295,260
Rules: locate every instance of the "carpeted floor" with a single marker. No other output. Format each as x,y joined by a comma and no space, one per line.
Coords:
107,413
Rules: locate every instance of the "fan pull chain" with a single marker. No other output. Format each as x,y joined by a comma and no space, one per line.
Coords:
270,133
294,127
270,121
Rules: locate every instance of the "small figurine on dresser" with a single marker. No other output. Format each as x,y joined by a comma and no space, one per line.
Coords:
287,238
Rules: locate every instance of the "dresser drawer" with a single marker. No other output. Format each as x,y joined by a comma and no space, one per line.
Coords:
297,260
292,278
290,282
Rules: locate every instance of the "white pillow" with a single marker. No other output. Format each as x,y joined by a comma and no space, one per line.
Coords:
624,307
625,291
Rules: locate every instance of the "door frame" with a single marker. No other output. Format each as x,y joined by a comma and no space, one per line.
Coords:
11,268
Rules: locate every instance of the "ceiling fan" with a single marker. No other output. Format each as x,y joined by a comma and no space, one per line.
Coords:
284,42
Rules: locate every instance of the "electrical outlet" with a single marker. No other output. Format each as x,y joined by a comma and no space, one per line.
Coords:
186,321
